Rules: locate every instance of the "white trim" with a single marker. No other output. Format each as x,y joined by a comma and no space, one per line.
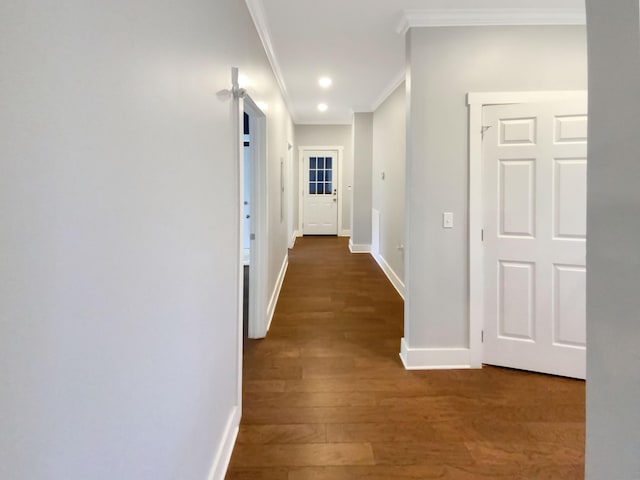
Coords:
476,248
345,233
433,358
259,255
326,121
292,240
355,248
271,309
291,195
500,98
396,81
465,17
340,154
476,101
223,454
259,17
238,119
390,273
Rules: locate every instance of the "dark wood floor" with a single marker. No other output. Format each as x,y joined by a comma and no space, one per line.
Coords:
326,396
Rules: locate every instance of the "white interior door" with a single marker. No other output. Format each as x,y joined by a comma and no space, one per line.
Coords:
320,193
535,181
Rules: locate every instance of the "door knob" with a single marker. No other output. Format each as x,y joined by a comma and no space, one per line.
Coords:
248,216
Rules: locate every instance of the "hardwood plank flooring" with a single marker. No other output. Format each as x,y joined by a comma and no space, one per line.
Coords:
326,396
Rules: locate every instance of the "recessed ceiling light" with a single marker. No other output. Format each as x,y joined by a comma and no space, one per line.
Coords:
322,107
325,82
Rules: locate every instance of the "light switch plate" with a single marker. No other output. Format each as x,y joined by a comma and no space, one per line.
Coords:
447,220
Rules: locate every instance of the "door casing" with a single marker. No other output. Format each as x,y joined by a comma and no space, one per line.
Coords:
259,227
291,235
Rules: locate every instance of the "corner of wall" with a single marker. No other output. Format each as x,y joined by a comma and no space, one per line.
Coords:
434,358
390,273
223,455
292,241
356,248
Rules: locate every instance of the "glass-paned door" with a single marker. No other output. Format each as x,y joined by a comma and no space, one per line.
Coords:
320,193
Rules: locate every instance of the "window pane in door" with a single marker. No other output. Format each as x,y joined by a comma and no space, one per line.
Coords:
320,188
312,188
327,189
321,176
328,163
312,163
320,163
312,176
327,175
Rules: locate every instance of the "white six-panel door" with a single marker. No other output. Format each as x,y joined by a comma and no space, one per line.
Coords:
320,193
534,182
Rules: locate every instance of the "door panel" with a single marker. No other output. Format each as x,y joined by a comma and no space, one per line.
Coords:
569,288
517,197
570,198
517,295
320,193
534,180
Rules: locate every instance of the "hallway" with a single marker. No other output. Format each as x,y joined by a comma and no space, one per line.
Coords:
327,398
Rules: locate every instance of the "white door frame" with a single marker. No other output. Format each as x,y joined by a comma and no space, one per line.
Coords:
340,156
259,228
476,101
290,197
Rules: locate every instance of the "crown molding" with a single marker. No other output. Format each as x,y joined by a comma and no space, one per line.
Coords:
452,17
395,82
337,121
259,17
389,89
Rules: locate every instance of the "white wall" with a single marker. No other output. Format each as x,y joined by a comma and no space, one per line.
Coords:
280,135
361,192
613,257
445,64
330,135
119,213
388,195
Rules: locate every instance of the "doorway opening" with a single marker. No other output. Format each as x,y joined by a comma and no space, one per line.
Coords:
246,220
252,163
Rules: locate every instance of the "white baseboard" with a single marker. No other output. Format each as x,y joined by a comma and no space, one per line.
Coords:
390,273
354,248
271,308
345,233
292,240
434,358
223,455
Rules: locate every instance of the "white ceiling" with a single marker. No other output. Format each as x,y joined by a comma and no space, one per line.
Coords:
355,42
